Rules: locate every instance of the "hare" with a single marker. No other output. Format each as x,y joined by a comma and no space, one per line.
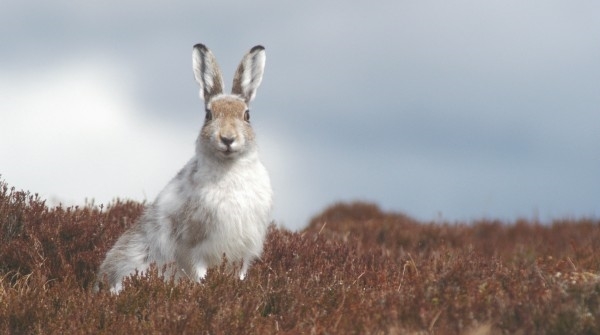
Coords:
219,203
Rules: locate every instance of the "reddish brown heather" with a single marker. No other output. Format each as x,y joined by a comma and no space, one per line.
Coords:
353,270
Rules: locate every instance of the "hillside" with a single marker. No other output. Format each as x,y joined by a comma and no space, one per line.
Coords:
353,270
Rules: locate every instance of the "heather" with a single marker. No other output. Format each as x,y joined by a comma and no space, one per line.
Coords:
354,270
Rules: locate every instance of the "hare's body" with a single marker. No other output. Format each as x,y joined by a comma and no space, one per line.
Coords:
219,203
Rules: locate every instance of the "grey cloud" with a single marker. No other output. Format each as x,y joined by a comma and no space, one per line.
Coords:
456,107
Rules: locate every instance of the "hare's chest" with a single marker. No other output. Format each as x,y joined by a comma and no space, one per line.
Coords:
235,198
213,204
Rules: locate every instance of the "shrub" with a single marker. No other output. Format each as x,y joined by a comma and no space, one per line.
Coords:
353,270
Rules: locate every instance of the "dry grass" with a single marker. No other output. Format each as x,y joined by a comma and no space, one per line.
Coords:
353,270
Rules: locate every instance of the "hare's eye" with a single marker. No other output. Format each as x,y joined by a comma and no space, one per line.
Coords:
247,115
208,115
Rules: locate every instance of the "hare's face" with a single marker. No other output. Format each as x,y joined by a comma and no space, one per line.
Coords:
226,131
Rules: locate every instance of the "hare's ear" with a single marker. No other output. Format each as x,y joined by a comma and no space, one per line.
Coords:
207,72
249,73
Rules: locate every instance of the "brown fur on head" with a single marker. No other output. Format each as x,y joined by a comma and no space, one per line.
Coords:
226,129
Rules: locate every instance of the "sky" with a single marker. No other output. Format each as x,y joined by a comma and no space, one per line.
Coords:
442,110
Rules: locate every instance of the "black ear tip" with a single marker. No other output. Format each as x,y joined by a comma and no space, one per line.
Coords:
201,47
257,48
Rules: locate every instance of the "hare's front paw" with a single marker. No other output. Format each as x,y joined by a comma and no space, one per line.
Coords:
201,269
117,288
244,269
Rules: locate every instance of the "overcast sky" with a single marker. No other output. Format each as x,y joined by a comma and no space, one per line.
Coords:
453,110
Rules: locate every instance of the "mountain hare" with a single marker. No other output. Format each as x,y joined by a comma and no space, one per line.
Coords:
219,203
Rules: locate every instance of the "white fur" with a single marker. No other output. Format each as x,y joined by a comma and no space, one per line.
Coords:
218,204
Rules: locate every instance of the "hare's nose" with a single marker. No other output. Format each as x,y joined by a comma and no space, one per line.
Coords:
227,140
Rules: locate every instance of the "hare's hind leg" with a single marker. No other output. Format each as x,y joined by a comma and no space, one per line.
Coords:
128,255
